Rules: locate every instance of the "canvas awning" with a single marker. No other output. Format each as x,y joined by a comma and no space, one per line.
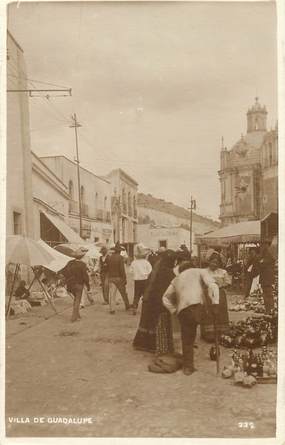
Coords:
242,232
59,260
64,229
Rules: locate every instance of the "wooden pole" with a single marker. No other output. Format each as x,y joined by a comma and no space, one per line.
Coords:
44,291
75,126
12,290
216,345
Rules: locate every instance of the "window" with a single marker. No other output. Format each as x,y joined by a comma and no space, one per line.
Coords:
270,154
105,202
163,243
96,200
17,221
71,189
124,201
82,194
96,239
129,204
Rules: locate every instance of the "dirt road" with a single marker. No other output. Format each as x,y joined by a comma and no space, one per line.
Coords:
57,370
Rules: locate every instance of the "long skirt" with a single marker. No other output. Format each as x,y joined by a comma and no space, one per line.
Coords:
145,336
222,323
154,334
164,334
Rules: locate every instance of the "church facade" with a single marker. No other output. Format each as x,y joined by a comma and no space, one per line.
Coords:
249,171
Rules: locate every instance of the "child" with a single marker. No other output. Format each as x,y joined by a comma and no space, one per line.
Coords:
141,269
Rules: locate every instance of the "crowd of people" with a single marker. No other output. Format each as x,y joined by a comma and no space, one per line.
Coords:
167,282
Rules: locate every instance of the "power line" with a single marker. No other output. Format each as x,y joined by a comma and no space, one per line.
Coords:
18,68
45,126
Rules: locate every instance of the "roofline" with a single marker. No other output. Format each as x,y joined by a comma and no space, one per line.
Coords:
14,40
125,174
74,163
39,159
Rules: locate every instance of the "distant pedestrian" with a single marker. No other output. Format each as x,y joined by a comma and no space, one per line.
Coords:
251,269
76,276
266,276
117,278
103,271
141,269
152,258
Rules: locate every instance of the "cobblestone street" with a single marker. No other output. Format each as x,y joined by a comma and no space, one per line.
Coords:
89,369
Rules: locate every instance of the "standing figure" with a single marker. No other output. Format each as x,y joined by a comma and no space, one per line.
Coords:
103,271
222,279
117,278
154,333
152,258
185,297
266,276
252,269
76,276
141,269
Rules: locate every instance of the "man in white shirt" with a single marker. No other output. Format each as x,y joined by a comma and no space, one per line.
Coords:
141,269
185,297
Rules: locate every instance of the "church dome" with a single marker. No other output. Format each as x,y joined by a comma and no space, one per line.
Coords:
257,108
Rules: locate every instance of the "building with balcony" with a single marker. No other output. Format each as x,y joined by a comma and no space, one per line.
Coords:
249,171
95,194
124,208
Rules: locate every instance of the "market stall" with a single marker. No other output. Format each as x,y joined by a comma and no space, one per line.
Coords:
239,233
38,256
21,250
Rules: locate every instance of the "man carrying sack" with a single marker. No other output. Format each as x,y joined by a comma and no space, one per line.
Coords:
185,297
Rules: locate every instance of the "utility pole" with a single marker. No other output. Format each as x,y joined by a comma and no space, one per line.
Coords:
192,207
76,125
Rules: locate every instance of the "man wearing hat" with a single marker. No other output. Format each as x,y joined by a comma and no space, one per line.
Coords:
103,270
117,277
76,276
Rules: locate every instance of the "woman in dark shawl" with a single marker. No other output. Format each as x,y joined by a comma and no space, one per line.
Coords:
154,333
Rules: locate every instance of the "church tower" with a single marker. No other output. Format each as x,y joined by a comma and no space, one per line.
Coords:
256,117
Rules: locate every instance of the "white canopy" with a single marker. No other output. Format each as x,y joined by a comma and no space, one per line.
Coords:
242,232
59,259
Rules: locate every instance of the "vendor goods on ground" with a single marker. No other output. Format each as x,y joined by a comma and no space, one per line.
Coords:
248,368
252,332
20,307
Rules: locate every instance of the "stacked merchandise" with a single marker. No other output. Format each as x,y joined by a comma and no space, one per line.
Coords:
253,303
258,330
248,368
252,332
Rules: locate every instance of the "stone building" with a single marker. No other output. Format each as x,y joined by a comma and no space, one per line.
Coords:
124,208
19,202
95,193
160,212
50,206
170,237
248,173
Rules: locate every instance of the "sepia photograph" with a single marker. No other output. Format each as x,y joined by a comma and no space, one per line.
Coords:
141,268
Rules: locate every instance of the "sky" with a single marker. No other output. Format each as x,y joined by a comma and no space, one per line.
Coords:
155,85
